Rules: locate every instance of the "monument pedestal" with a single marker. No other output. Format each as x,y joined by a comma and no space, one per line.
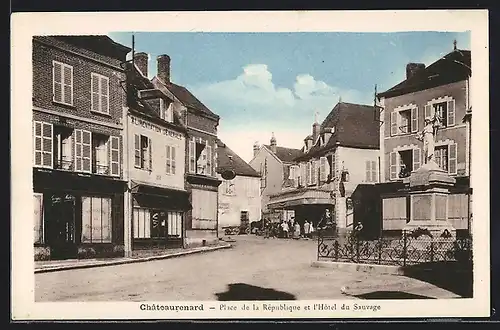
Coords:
429,189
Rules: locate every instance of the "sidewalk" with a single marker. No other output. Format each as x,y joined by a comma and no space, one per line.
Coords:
58,265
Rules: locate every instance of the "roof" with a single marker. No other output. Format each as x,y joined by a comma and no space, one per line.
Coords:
356,126
189,100
286,155
453,67
137,81
227,159
100,44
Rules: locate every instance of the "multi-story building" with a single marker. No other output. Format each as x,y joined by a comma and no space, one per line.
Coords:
201,177
442,87
273,163
239,197
77,146
340,153
155,140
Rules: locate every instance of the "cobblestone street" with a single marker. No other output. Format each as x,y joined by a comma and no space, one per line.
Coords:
275,269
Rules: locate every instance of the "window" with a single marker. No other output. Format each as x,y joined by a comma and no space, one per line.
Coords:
371,171
63,150
174,225
308,173
332,166
294,174
446,157
83,150
228,187
166,111
143,152
170,159
96,219
142,223
209,159
100,154
201,157
43,135
38,218
100,93
445,110
62,83
404,121
324,170
263,174
403,162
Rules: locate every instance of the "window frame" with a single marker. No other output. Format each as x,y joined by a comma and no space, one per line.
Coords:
63,65
170,159
396,120
110,229
94,75
449,100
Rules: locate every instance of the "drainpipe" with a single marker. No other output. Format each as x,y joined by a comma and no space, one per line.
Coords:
127,200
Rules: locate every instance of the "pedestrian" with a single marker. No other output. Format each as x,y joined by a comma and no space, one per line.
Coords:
311,230
285,228
267,229
296,233
307,228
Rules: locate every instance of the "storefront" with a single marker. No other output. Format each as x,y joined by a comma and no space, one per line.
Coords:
77,216
158,217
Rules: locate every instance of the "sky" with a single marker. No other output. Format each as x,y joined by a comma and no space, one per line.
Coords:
265,83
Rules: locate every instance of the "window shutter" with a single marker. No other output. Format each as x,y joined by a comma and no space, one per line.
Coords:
323,170
192,156
451,113
308,173
78,150
368,171
393,165
416,159
68,84
374,171
209,159
172,159
86,151
428,111
452,158
167,148
394,124
115,155
37,143
57,81
47,145
104,95
95,92
137,150
150,151
414,119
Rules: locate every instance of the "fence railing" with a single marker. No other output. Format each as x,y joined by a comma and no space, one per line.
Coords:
410,249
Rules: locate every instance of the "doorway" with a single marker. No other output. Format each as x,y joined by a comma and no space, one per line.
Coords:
61,226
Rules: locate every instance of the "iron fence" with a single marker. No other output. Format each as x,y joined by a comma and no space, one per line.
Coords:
411,248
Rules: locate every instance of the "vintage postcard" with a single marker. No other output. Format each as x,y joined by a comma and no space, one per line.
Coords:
218,165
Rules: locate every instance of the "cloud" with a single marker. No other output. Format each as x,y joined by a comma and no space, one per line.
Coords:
251,106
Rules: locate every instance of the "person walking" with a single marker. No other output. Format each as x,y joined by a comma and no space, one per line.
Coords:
296,234
285,228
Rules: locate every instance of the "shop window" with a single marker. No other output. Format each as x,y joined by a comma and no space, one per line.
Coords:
96,219
142,223
174,226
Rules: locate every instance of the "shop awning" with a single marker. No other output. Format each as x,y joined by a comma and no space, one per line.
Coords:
295,197
160,198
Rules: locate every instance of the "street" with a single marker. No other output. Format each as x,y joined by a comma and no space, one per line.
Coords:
253,269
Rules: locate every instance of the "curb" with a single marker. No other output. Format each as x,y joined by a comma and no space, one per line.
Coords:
367,268
131,260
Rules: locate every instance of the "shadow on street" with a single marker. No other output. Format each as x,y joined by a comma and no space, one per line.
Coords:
452,276
242,291
391,295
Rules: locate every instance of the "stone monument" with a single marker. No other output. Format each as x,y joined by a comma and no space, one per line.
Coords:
429,189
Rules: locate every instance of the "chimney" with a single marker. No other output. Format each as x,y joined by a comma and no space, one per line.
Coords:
413,68
273,143
141,61
256,148
315,127
163,62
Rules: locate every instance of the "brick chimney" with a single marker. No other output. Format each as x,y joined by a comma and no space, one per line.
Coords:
141,61
163,62
256,148
413,68
273,143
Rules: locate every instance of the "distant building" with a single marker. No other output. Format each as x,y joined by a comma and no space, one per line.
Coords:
340,153
201,177
78,146
441,87
273,163
157,200
239,198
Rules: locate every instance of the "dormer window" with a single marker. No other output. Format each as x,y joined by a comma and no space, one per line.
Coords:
166,111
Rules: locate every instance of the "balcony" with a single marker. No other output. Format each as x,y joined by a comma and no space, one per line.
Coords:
301,196
100,169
